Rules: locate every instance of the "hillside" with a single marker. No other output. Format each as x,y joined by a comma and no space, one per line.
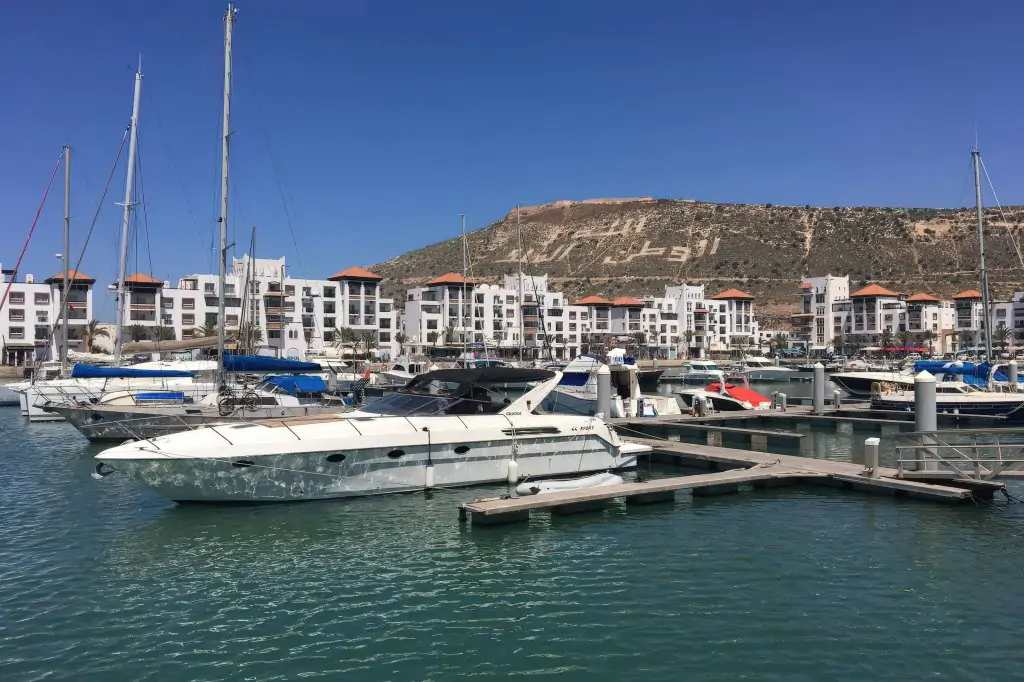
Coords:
637,246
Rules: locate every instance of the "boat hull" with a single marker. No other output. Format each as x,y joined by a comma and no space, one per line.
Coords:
8,397
41,396
858,384
337,473
771,375
1012,410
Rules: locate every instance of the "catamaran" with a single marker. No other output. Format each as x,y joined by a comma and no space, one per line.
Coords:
453,427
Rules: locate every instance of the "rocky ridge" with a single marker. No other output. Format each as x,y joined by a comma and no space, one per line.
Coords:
637,246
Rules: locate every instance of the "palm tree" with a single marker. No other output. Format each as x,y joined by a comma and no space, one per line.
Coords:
401,339
92,330
368,340
929,337
1001,336
838,343
432,337
688,337
905,338
207,329
345,336
136,332
249,336
449,335
886,339
778,342
163,334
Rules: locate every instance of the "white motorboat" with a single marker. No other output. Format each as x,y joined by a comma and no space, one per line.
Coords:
577,392
694,371
406,368
451,427
723,396
88,384
763,369
957,398
563,485
8,396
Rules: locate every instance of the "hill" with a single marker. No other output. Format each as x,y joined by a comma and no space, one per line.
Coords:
637,246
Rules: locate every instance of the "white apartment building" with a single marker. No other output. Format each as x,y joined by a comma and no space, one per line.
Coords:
33,309
295,315
813,323
498,316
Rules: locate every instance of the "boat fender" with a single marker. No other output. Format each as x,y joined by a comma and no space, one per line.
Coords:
527,489
512,473
102,470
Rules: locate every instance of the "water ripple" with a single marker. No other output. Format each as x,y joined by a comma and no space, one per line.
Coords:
103,580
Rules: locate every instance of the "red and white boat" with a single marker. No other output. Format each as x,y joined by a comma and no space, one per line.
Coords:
725,395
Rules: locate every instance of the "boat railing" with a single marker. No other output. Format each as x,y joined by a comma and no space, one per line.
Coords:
979,454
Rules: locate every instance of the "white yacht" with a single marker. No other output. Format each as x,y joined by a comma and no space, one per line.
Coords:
576,393
446,428
696,371
195,378
406,368
957,398
124,415
757,368
722,396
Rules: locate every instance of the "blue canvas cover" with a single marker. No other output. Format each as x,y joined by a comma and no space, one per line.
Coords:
295,384
83,371
259,364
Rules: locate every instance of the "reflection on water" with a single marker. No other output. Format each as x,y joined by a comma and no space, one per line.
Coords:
103,580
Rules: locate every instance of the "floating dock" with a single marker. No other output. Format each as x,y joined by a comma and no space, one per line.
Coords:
733,468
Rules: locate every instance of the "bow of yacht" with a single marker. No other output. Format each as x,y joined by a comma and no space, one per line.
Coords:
446,428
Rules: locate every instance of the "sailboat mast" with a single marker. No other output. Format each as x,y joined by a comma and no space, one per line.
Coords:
67,255
126,217
229,20
522,297
976,158
465,274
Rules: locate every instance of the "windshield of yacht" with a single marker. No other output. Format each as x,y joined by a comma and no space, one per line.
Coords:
460,392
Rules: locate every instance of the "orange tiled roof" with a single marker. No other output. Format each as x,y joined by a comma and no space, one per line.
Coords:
732,294
922,298
75,275
593,300
355,272
140,278
806,285
628,301
873,290
970,293
450,278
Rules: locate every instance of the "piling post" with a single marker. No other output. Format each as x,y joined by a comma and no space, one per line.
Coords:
925,420
782,402
604,392
1011,371
871,457
819,388
837,399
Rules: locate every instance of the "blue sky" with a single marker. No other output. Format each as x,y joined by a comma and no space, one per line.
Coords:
378,123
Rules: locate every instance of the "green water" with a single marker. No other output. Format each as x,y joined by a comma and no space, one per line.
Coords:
104,580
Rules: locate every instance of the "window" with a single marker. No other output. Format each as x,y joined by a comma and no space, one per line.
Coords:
17,298
478,298
188,319
232,320
385,323
385,337
293,333
16,314
572,314
166,303
17,332
208,288
273,334
431,324
188,303
329,322
385,307
289,289
328,292
42,299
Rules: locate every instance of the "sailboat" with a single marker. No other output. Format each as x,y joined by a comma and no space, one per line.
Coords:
88,383
994,399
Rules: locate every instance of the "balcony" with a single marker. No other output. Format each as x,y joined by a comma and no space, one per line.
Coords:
275,326
354,319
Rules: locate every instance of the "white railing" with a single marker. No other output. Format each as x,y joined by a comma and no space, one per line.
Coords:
980,454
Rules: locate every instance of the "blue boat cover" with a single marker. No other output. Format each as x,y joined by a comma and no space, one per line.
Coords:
82,371
161,396
974,374
295,384
574,379
260,364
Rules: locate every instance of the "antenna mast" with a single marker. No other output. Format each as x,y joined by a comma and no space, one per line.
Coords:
986,314
126,218
229,20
